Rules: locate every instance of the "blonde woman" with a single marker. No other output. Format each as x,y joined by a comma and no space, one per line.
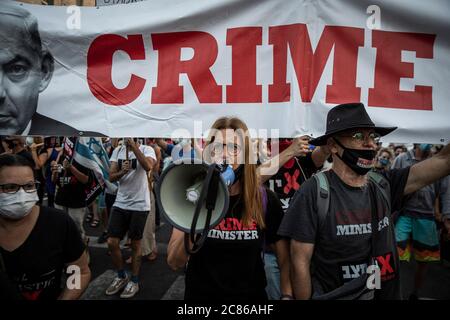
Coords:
229,266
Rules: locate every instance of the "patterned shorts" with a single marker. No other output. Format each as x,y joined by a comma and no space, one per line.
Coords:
419,236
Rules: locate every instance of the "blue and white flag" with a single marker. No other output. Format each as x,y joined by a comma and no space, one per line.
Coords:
90,153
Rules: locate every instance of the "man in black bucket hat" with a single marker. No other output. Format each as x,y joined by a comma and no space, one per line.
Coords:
331,217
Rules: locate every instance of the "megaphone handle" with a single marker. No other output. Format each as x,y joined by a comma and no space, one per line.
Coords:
210,203
192,247
198,207
209,190
198,243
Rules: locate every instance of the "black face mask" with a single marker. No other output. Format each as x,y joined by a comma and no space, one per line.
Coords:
360,161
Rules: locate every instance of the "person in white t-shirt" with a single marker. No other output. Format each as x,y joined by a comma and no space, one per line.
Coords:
130,210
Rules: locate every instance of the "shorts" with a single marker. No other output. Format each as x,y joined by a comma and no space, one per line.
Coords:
419,236
122,221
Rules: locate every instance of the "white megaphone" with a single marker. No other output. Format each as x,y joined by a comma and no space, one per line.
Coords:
194,197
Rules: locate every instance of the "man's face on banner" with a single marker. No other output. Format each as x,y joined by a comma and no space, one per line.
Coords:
24,73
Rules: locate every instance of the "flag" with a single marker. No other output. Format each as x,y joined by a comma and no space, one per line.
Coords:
90,153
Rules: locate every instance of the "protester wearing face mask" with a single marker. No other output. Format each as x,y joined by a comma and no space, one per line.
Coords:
384,159
36,243
183,148
22,146
229,265
341,240
415,229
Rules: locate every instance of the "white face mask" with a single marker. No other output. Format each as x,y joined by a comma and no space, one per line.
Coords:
17,205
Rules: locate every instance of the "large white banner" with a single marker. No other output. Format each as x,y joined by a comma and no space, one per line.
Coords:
152,67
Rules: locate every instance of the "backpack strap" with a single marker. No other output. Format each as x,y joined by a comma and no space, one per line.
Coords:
382,186
323,197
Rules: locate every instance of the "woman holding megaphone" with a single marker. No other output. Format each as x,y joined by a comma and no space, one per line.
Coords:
229,264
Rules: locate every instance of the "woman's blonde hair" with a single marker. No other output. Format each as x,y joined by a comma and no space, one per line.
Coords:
250,182
386,150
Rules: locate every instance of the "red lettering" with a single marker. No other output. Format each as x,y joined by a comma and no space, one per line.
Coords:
99,68
230,223
221,225
244,88
225,225
170,67
234,224
385,264
309,65
389,69
237,224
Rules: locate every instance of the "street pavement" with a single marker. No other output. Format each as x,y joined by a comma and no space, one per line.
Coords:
157,280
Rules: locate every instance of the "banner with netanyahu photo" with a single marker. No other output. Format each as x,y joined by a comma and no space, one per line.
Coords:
152,68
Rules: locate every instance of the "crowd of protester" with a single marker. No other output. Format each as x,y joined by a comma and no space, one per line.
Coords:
292,253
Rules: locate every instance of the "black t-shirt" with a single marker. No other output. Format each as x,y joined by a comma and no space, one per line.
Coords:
71,193
290,177
229,266
343,243
36,266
